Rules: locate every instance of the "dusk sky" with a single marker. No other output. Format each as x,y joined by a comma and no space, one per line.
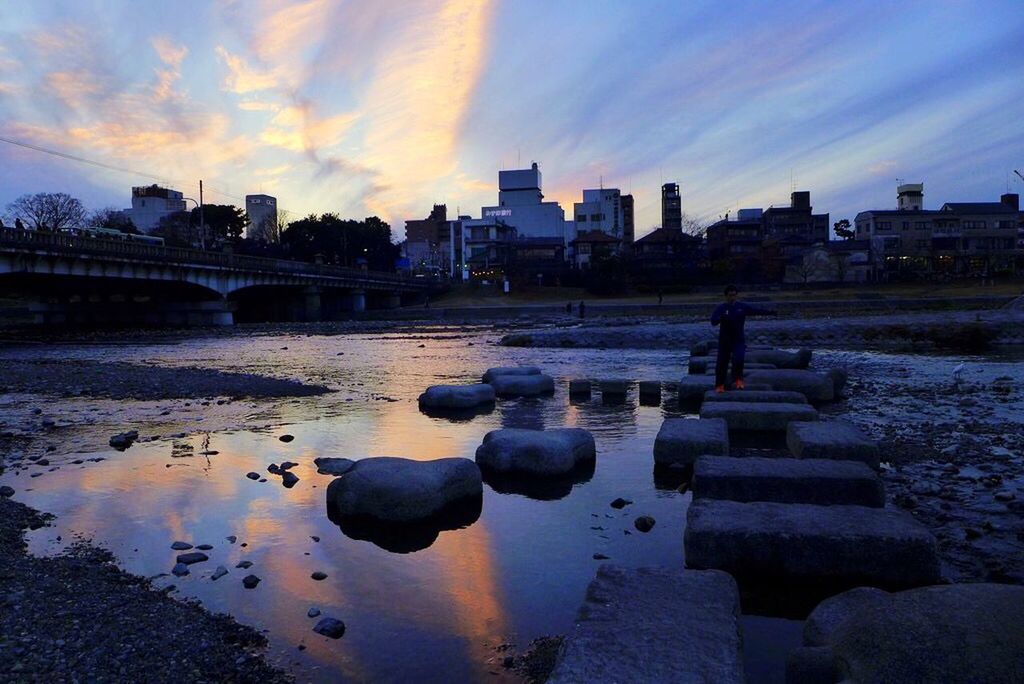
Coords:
385,108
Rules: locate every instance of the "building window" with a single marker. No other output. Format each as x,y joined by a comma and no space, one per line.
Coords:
974,224
884,225
906,225
582,218
921,225
597,217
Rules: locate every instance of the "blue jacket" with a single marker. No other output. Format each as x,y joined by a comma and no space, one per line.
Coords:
732,317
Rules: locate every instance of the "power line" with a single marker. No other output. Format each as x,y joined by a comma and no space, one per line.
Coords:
111,167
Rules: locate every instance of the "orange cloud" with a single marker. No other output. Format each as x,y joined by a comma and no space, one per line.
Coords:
242,78
73,88
169,53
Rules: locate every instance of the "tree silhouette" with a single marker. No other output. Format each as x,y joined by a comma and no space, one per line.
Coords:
225,221
49,210
341,241
842,229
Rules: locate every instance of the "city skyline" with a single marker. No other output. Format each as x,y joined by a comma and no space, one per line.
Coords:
367,109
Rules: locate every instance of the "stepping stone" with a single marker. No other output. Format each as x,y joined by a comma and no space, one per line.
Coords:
492,373
850,545
817,387
535,452
833,439
779,358
956,633
192,557
692,388
787,480
614,388
698,365
681,441
523,385
757,396
710,370
742,416
650,391
655,625
579,388
457,396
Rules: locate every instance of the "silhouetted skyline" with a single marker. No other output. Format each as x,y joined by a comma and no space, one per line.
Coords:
374,108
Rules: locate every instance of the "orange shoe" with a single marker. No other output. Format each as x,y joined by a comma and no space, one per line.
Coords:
720,389
739,383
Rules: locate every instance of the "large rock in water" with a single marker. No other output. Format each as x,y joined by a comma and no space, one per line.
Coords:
655,625
960,633
457,396
692,388
817,387
509,370
833,439
742,416
400,490
535,452
681,441
841,545
523,385
787,480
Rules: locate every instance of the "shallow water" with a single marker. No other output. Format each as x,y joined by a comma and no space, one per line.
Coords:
435,614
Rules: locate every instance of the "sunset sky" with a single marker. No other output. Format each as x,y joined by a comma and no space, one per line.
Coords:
387,107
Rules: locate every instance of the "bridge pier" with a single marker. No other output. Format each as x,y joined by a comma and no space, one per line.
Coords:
93,311
312,308
357,300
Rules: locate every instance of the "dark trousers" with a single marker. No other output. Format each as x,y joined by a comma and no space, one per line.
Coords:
726,349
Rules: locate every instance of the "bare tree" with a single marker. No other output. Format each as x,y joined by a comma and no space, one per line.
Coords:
841,262
693,226
49,210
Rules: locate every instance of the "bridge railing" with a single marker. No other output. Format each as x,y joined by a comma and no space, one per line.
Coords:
67,243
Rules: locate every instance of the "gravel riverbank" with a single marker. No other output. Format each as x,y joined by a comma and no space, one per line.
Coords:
77,617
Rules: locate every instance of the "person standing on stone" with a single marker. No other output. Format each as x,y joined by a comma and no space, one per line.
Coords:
730,317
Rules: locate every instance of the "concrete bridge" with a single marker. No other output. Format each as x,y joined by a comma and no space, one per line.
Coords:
67,278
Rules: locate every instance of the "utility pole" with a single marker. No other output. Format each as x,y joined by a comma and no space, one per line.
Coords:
202,220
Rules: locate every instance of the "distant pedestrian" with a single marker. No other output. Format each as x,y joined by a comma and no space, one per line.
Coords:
426,302
730,317
660,296
583,311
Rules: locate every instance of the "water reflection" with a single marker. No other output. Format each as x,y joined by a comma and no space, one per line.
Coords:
457,415
541,488
671,477
407,537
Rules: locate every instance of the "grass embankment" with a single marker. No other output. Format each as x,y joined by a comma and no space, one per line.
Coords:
468,296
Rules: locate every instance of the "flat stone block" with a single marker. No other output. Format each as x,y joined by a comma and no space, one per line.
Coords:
650,390
530,385
457,396
509,370
755,396
851,545
833,439
655,625
779,358
579,387
955,633
617,388
747,367
787,480
536,452
692,388
817,387
681,441
698,364
745,416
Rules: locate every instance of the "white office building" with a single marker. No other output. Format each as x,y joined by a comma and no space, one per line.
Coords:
521,205
151,203
600,210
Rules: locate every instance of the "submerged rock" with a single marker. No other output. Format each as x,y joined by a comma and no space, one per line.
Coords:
644,523
180,570
124,440
6,492
219,572
330,628
181,546
250,581
289,479
192,557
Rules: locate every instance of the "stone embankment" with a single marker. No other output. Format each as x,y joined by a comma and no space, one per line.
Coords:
952,330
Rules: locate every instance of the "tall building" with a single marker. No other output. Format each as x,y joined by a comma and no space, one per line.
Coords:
521,205
600,210
427,241
671,207
262,213
150,203
628,225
